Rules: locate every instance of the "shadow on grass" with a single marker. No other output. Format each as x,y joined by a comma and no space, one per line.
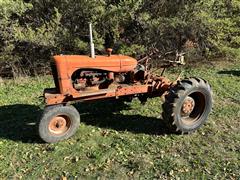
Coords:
107,115
18,122
230,72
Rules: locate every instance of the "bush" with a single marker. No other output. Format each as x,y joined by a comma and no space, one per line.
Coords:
32,31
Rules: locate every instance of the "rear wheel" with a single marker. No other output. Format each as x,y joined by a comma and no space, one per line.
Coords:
187,105
58,123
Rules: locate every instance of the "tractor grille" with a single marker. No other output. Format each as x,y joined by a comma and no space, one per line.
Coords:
55,75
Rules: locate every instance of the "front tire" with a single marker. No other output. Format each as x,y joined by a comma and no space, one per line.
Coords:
58,123
187,105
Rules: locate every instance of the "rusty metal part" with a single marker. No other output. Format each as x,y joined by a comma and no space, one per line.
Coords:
53,97
188,106
120,78
162,83
111,75
59,125
158,86
109,51
143,59
190,114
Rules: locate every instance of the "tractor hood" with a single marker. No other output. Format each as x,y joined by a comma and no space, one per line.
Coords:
114,63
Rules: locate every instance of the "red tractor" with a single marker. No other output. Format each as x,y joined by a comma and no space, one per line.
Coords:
187,104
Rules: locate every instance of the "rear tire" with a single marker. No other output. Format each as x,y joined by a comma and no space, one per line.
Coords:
187,105
58,123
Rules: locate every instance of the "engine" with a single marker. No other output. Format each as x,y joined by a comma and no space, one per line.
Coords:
86,78
100,79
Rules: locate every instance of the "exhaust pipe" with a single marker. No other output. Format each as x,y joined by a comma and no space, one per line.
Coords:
91,41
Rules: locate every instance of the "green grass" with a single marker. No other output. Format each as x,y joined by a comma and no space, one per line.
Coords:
122,141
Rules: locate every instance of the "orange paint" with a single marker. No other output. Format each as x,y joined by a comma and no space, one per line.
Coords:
52,97
114,63
68,64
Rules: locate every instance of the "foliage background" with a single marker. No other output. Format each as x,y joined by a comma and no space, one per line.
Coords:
33,30
127,141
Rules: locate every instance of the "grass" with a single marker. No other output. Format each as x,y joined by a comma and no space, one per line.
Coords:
122,140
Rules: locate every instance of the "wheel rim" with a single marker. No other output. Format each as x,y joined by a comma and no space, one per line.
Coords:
192,108
59,125
187,106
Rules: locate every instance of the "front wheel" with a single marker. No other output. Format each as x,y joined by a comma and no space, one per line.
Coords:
58,123
187,105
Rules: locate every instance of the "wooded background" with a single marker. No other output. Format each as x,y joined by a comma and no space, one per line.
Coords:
31,31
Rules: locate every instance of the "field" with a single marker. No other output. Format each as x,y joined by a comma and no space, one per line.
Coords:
122,140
